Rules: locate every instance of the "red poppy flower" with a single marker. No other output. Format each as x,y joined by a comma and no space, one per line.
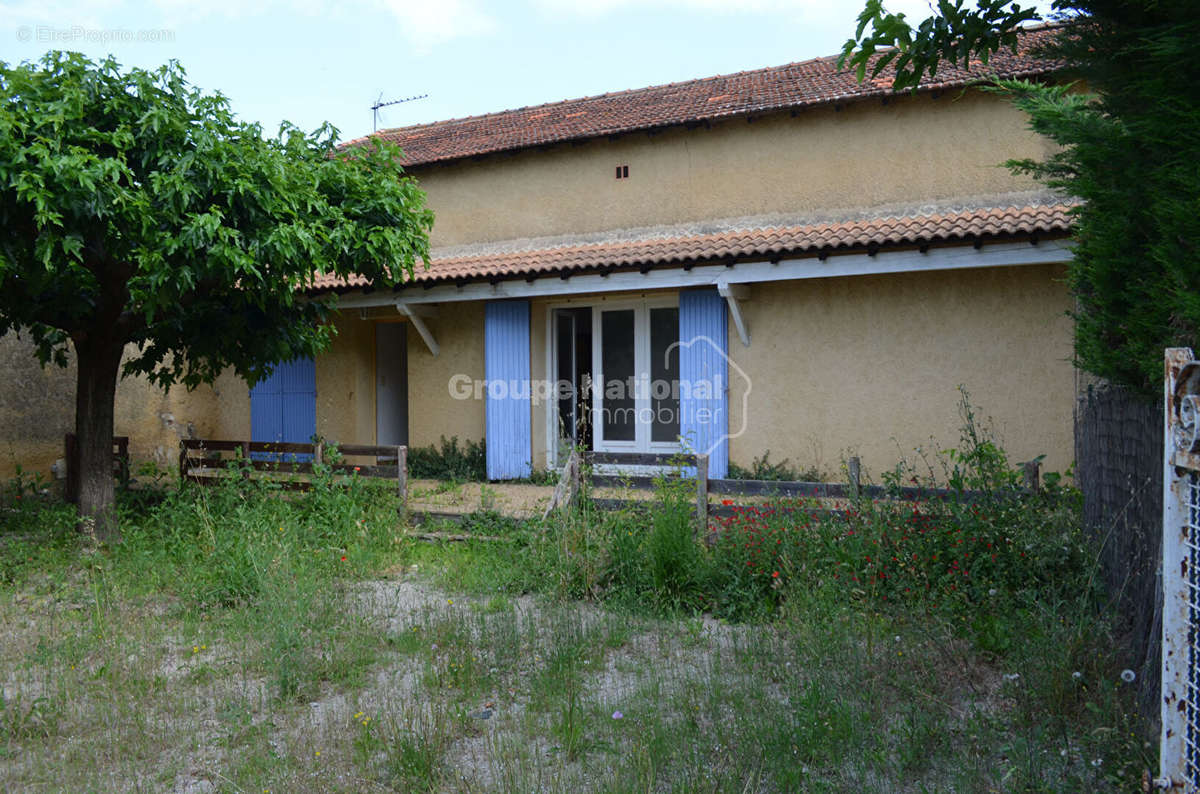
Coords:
727,502
775,575
343,558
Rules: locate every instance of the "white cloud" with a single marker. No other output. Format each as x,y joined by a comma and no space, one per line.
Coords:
422,24
724,7
426,23
804,10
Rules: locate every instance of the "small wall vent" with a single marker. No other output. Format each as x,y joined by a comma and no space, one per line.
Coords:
622,172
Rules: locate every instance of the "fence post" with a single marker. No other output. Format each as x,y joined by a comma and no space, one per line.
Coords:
854,470
246,465
183,462
402,474
123,472
702,494
318,452
1033,476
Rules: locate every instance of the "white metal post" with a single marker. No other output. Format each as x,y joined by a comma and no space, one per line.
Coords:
1178,758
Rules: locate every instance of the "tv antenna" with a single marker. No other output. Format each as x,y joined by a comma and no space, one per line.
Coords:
379,103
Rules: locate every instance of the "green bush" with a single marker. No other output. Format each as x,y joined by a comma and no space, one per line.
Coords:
450,462
985,542
763,469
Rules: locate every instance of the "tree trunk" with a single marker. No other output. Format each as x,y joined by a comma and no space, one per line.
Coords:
95,392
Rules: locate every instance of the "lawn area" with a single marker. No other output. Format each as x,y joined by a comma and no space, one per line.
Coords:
240,641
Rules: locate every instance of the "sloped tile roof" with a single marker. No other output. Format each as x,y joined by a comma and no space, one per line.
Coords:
744,244
796,85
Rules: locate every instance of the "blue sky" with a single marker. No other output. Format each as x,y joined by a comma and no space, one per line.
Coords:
310,61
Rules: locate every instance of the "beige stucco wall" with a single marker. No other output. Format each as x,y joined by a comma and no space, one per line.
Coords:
432,413
345,380
870,366
37,408
910,150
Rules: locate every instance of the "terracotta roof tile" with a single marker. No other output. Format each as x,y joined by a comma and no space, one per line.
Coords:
744,244
796,85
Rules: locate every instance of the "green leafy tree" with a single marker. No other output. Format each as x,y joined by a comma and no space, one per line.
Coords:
1127,119
142,221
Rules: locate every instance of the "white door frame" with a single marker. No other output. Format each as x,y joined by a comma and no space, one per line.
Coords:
642,432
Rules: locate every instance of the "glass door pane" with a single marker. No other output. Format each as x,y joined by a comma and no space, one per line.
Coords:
566,385
664,374
618,406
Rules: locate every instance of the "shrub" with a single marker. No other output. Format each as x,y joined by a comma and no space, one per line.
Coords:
763,469
465,464
986,541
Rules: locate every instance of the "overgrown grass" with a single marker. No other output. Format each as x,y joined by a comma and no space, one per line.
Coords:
248,639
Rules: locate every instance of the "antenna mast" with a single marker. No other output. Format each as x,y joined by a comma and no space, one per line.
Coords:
379,103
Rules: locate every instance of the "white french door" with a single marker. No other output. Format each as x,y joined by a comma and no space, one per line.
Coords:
635,363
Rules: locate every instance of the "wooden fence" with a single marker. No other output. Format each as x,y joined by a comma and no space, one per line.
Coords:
852,489
71,455
206,461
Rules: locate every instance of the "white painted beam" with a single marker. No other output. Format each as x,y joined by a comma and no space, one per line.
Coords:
414,315
961,257
733,293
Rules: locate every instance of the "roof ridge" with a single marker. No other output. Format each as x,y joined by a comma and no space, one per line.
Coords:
459,120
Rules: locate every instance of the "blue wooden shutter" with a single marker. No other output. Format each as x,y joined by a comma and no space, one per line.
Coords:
506,370
266,408
284,406
703,364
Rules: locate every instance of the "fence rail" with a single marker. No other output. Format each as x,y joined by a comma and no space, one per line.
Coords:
207,461
853,488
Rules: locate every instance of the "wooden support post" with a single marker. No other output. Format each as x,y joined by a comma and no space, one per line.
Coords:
123,472
1033,476
702,494
402,474
246,467
567,489
183,463
319,452
854,470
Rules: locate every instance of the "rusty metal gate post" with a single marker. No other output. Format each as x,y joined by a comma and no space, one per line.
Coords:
1179,764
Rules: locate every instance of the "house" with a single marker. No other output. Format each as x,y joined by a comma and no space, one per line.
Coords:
781,260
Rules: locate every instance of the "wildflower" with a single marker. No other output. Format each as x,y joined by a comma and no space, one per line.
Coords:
1128,676
1012,676
775,575
1077,675
358,715
357,468
618,715
343,558
450,601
